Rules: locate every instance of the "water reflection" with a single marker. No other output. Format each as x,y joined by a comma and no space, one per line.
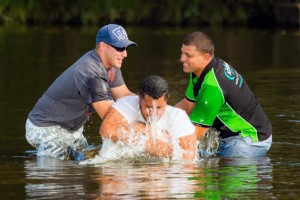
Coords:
155,181
238,178
209,179
51,178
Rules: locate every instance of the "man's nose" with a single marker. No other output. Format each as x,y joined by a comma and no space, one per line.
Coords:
124,53
152,111
182,58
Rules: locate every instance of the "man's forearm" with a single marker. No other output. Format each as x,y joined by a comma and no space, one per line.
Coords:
156,147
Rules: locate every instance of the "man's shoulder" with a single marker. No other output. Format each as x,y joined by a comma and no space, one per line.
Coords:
174,111
129,98
90,61
127,101
178,121
128,107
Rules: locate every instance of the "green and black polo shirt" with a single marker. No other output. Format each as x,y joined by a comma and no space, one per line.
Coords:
225,102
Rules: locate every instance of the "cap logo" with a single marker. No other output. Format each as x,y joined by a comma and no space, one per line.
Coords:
120,33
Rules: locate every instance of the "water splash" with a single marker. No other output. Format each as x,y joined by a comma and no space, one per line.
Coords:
154,127
134,149
209,143
158,133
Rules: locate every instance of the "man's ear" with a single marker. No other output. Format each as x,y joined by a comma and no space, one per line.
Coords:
102,45
167,97
207,57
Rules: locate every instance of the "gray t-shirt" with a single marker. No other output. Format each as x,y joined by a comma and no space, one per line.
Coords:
67,102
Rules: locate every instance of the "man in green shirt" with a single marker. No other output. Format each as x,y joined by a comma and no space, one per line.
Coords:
217,96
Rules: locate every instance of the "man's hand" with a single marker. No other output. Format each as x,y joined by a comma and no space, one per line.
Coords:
188,144
158,148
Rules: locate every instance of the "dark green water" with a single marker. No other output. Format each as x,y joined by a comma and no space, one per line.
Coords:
31,58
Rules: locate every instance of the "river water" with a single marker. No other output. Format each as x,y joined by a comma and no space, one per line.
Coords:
31,58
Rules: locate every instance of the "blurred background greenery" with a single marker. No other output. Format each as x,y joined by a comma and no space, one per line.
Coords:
247,13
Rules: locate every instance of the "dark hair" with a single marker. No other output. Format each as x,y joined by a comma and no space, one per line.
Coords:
154,86
202,42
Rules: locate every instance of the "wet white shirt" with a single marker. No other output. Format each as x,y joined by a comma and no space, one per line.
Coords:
173,121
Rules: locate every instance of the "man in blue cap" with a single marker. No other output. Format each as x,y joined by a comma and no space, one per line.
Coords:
93,82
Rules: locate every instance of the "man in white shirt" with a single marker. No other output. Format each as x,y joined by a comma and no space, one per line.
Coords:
166,131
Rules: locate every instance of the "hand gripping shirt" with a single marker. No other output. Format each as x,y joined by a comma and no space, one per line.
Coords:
67,102
224,101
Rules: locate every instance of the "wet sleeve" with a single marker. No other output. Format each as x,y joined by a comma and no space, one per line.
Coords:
128,107
116,78
93,88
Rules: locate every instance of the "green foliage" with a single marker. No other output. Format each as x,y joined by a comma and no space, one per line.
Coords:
137,12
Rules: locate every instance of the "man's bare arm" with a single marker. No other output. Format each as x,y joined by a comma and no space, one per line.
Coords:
102,107
188,144
121,91
114,126
185,105
199,130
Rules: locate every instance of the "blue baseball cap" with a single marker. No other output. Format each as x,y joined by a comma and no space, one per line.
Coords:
114,35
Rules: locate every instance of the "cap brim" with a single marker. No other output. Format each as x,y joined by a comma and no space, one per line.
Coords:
124,43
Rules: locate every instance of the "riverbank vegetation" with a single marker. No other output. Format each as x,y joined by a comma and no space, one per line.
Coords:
141,12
